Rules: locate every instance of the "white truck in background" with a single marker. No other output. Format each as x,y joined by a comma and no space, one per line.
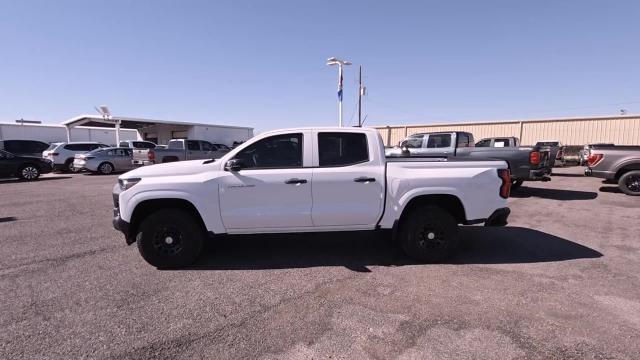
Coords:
308,180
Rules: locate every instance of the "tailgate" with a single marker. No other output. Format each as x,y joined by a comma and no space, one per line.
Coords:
140,154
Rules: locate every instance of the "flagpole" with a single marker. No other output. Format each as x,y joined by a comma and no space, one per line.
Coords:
333,61
340,92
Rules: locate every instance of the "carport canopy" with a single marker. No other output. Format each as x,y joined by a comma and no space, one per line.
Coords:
122,122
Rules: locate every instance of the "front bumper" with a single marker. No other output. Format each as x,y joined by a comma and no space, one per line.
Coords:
117,222
499,217
123,227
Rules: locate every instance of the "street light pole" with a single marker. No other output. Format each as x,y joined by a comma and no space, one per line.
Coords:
333,61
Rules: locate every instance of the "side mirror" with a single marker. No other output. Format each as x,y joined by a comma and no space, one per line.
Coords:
234,165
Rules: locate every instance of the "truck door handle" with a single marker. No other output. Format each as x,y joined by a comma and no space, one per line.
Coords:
296,181
364,179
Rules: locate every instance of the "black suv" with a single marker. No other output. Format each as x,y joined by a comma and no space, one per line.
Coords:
24,147
25,167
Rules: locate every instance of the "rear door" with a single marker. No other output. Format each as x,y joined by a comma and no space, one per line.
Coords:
348,184
438,144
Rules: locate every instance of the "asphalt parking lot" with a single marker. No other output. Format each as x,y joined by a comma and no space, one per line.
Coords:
561,281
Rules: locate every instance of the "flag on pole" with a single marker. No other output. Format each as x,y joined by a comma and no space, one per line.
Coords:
340,87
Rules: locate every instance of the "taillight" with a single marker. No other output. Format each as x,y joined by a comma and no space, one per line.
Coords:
594,159
151,155
534,158
505,188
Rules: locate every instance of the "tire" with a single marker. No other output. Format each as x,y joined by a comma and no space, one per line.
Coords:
29,172
106,168
68,166
428,234
515,184
186,238
629,183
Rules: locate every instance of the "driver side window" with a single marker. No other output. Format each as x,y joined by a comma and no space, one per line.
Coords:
279,151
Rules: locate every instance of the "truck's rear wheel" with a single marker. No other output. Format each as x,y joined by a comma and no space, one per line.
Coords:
170,238
515,184
629,183
428,234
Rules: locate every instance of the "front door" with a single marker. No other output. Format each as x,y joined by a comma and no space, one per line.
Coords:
272,190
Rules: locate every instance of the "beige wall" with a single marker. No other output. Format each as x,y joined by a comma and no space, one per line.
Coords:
621,130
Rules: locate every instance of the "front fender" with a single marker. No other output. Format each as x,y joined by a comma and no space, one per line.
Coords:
205,206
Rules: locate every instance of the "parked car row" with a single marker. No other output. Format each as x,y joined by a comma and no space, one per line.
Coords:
27,159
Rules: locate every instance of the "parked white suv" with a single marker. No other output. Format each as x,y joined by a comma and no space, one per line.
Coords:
308,180
63,153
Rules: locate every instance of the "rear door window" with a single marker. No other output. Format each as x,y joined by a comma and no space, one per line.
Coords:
463,140
439,141
501,143
193,145
342,148
16,146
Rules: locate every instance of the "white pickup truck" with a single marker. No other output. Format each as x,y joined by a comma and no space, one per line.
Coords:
308,180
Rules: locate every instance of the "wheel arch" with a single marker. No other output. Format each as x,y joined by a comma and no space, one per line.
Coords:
148,207
627,167
106,162
448,202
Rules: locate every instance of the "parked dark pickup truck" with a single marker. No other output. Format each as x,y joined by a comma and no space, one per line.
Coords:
615,162
527,163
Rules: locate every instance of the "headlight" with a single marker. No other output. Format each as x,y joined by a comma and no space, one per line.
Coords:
126,184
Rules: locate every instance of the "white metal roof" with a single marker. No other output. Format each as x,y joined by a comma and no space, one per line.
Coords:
82,119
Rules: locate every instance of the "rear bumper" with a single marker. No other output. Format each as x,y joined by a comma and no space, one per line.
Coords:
600,174
499,217
538,175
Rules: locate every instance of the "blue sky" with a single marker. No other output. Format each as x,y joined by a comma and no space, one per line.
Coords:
262,63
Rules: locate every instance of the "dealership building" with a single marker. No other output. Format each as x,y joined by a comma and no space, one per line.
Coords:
576,131
101,129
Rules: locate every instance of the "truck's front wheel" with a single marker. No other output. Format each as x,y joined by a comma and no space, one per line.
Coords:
428,234
170,238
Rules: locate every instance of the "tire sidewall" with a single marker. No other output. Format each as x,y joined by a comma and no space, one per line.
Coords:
29,166
432,217
193,238
622,183
101,171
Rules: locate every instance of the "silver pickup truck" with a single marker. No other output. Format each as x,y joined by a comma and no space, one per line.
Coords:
618,163
182,149
527,163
